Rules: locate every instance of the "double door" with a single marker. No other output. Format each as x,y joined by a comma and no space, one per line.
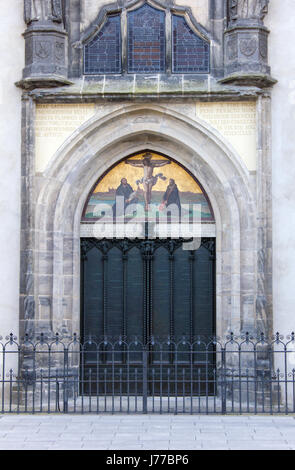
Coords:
147,308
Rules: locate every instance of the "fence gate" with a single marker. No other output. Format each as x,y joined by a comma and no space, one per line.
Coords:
140,293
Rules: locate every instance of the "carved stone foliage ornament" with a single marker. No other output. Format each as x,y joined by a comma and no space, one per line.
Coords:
247,9
42,10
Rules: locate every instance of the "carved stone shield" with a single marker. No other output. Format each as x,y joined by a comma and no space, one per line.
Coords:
43,49
248,46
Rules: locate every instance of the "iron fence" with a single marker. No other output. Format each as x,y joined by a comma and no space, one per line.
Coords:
115,375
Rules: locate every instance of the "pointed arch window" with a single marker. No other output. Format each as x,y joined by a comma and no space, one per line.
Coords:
147,40
102,54
190,53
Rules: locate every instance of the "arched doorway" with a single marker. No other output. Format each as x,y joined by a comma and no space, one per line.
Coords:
146,274
66,184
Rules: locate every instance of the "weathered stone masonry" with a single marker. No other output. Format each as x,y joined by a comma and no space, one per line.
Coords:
135,112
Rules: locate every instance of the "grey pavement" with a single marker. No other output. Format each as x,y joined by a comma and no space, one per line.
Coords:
140,432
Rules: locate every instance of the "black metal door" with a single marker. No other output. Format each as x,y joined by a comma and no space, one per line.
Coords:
148,293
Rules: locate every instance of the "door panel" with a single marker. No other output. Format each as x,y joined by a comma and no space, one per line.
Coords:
181,293
114,293
203,292
92,293
147,289
159,293
134,294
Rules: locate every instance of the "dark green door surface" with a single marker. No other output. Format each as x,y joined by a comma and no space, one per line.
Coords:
147,291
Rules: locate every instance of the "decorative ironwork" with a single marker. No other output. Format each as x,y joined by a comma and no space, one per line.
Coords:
147,246
244,374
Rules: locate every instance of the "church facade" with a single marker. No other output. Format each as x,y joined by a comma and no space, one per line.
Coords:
159,102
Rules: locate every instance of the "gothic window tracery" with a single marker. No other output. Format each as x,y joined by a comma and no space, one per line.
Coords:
146,40
103,53
139,42
190,52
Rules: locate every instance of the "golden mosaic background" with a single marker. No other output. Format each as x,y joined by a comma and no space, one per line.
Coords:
112,180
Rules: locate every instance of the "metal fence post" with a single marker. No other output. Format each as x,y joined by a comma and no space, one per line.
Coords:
223,382
144,379
66,373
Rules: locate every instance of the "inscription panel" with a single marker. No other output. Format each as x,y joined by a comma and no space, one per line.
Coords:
237,123
54,124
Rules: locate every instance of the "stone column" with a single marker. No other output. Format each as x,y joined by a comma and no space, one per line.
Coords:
27,255
46,62
246,44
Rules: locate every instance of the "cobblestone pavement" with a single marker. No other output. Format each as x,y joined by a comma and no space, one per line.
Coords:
158,432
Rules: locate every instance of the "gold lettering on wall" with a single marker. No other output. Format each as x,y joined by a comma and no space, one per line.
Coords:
236,121
54,124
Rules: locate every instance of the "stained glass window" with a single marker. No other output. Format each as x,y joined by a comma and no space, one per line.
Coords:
103,52
190,52
146,40
146,45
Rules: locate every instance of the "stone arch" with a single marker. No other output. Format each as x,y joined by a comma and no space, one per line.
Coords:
100,143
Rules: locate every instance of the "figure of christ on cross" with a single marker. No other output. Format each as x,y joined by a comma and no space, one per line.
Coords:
149,180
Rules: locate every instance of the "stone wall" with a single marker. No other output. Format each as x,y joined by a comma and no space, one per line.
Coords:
280,21
12,57
59,193
12,62
244,301
186,117
90,8
171,114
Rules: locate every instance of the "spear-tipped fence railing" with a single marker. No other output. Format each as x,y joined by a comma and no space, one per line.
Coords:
243,374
